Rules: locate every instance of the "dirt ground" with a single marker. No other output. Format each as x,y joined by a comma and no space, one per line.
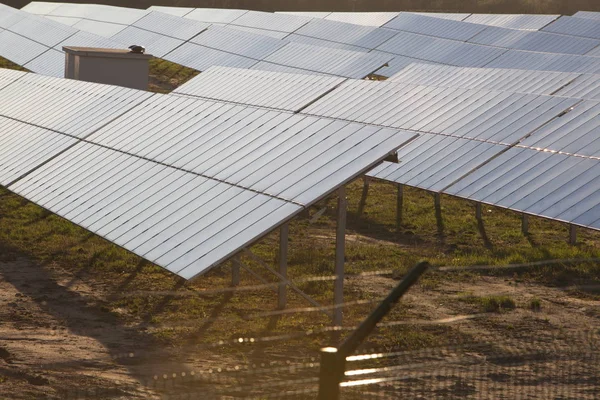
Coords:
58,340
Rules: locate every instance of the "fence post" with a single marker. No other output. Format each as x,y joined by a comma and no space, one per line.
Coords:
331,374
333,361
572,234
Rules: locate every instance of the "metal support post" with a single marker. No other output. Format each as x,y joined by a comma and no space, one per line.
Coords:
340,253
478,212
525,224
331,374
283,252
235,270
399,206
363,197
572,234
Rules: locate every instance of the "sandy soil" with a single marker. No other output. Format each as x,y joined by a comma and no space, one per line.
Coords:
58,340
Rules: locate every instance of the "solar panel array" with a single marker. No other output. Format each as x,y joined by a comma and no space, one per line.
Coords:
378,19
496,109
407,37
185,183
197,41
462,130
524,152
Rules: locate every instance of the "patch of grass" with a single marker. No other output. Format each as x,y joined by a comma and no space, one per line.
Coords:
4,63
490,303
535,304
166,76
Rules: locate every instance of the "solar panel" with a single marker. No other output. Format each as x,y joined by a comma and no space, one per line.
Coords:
432,26
361,36
517,59
587,14
200,221
496,117
24,147
201,58
50,63
534,41
513,21
271,21
244,44
442,51
169,25
550,185
8,76
572,26
575,133
73,107
42,30
283,91
9,16
586,86
509,80
18,49
433,162
362,18
330,61
323,43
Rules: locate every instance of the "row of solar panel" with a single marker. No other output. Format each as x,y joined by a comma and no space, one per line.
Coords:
182,182
461,130
379,19
187,45
415,39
